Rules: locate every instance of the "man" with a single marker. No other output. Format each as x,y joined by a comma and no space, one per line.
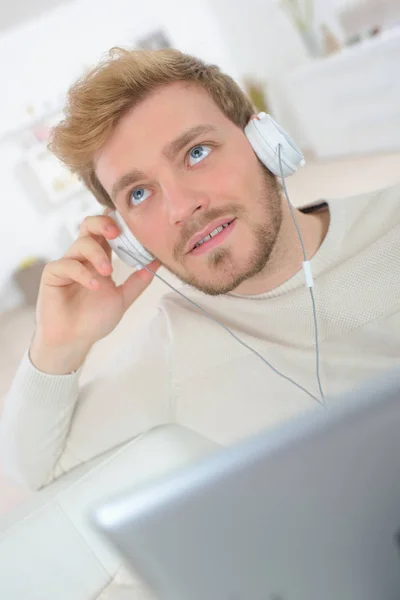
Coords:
160,136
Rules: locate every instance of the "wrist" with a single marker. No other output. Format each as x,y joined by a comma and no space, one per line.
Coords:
57,360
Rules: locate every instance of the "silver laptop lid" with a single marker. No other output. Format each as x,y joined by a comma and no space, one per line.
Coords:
307,511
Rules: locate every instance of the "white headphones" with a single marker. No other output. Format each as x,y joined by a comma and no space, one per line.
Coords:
265,136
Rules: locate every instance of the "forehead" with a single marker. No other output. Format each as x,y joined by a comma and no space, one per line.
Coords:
140,135
175,106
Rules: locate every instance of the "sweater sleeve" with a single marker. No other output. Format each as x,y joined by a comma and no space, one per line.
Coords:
50,423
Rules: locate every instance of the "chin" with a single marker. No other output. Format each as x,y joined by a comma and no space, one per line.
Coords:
223,272
226,267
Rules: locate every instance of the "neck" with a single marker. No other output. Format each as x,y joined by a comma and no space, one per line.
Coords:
286,257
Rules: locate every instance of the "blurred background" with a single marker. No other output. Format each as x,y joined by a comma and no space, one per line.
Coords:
325,69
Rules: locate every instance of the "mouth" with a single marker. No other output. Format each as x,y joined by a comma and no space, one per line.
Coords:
214,235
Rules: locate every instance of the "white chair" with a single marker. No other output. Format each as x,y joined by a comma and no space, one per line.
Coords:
48,548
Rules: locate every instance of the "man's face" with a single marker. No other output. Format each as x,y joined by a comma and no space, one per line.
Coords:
178,169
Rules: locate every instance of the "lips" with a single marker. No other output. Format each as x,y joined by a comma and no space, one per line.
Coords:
206,231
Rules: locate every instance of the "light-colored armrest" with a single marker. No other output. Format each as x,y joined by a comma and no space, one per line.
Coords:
49,550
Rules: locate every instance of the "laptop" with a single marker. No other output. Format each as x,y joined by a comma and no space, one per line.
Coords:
308,510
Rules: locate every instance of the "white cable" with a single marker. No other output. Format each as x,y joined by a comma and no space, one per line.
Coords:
308,276
237,338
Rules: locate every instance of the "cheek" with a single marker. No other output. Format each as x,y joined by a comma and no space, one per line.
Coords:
237,174
153,235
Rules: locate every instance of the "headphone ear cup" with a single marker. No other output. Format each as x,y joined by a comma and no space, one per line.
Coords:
138,255
265,136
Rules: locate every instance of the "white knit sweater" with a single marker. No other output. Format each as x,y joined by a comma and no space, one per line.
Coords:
184,368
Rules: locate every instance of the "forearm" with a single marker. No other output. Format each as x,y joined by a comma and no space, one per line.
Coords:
51,424
35,423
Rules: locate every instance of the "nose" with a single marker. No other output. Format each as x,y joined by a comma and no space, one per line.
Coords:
183,201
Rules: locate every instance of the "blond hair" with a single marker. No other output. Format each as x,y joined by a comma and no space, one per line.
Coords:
98,100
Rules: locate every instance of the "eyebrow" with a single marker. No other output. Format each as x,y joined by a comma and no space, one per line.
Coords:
170,151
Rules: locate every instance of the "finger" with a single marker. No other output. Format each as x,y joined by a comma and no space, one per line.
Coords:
66,271
101,228
105,245
87,248
136,283
100,225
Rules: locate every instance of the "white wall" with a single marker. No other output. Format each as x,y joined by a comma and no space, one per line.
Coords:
43,58
264,44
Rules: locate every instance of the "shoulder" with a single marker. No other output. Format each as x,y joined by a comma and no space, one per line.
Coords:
365,217
361,221
380,206
378,210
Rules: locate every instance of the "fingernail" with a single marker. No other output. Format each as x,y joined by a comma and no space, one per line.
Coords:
105,264
111,228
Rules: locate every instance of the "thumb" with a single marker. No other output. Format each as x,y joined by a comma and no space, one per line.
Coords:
136,283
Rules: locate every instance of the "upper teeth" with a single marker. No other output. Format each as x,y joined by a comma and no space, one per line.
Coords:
210,235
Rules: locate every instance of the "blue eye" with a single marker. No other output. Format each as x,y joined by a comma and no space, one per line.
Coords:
138,195
198,153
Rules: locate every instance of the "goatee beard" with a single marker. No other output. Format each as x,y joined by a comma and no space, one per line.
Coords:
224,274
